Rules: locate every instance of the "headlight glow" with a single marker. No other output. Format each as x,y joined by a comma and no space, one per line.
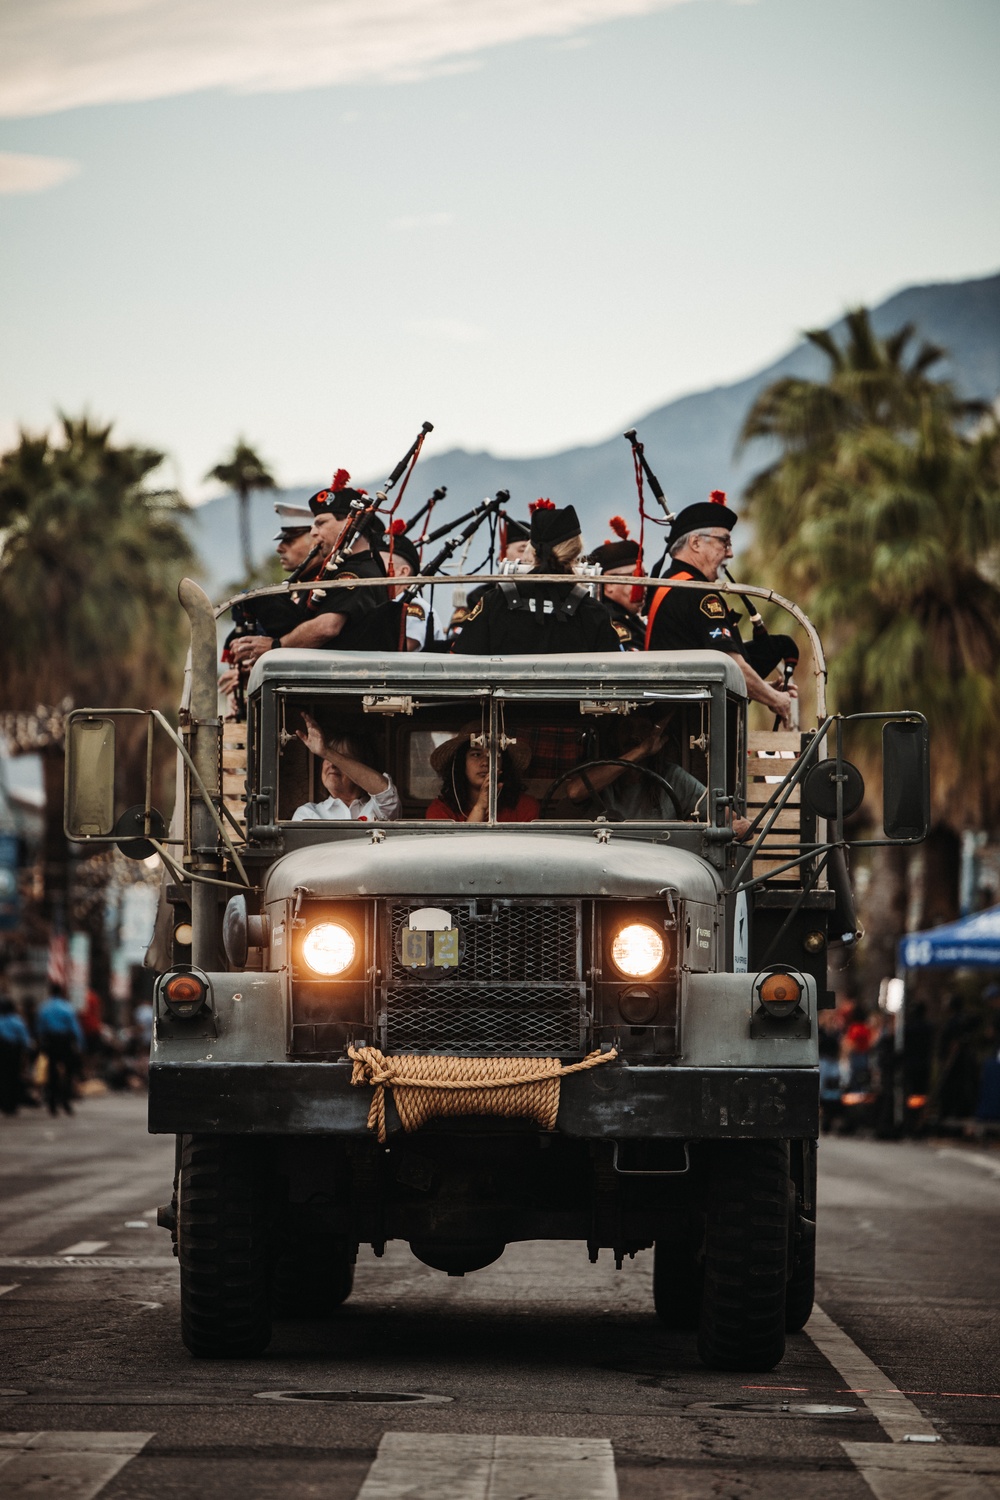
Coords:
328,949
638,950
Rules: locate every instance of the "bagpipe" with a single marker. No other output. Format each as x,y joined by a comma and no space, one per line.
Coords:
787,649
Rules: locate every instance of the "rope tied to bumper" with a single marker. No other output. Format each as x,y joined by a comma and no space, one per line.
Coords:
428,1088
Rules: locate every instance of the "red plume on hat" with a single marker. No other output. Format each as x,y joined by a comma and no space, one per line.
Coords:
398,527
541,505
619,526
718,497
340,480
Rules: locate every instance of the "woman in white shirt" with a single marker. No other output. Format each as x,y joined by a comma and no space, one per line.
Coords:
356,791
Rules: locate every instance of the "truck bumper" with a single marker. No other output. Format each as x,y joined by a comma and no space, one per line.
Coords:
616,1102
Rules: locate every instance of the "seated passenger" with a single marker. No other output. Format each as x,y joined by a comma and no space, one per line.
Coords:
465,783
356,791
624,795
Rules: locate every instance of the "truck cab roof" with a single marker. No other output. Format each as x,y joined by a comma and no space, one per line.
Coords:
605,670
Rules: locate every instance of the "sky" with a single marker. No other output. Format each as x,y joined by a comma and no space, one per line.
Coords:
318,223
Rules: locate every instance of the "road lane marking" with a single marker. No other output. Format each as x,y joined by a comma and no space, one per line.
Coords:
64,1465
472,1466
85,1262
895,1412
29,1221
908,1473
11,1287
973,1158
85,1247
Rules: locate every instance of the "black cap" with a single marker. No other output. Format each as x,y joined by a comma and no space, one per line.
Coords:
517,531
615,555
699,517
405,550
550,526
335,501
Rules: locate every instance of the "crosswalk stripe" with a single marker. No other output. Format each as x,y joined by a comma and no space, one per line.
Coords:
896,1413
476,1466
85,1247
64,1465
896,1472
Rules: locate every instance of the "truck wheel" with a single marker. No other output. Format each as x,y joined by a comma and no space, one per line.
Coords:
679,1273
746,1257
311,1279
223,1248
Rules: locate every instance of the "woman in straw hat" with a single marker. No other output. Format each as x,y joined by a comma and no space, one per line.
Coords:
464,769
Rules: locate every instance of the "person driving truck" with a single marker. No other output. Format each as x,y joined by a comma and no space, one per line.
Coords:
669,793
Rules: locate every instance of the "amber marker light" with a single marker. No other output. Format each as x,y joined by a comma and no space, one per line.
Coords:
638,950
779,993
184,994
329,949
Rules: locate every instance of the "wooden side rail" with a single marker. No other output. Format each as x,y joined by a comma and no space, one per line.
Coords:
234,770
770,758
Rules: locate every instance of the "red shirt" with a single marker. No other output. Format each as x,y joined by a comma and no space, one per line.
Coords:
526,810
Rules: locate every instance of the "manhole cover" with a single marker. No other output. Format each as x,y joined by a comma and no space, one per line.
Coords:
354,1398
793,1408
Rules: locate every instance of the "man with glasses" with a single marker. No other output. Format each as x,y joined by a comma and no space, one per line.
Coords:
699,543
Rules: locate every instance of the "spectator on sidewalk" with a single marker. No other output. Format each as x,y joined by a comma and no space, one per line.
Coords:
60,1040
15,1047
958,1075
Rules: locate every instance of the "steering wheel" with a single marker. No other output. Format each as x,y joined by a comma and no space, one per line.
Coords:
590,765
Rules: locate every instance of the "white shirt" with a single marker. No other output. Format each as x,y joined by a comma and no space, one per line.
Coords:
381,807
416,624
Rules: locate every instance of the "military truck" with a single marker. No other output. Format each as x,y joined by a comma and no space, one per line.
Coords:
597,1024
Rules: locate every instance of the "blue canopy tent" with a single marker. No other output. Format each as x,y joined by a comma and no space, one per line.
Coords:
971,943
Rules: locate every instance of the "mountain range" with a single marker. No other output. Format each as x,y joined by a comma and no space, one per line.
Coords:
690,442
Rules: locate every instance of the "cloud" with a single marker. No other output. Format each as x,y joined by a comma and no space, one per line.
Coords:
421,221
446,330
33,174
61,54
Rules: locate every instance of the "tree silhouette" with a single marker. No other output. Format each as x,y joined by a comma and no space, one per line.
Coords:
243,471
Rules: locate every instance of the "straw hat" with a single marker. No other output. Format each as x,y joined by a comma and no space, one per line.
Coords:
520,754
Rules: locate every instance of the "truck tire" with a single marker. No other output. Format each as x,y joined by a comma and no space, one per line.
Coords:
746,1257
222,1230
312,1278
679,1273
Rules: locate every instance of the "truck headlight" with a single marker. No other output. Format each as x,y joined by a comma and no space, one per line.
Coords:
638,950
328,949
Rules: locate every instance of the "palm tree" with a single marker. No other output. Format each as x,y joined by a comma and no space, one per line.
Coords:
90,558
881,515
91,555
244,471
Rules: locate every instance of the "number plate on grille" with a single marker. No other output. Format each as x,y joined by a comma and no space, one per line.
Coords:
430,940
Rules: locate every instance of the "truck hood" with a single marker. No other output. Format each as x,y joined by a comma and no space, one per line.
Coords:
491,864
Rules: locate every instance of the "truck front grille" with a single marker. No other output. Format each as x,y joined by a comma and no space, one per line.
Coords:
453,1018
517,989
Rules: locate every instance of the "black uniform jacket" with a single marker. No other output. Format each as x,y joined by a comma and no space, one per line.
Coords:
630,629
689,620
328,595
521,618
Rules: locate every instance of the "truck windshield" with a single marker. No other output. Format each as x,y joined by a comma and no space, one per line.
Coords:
496,758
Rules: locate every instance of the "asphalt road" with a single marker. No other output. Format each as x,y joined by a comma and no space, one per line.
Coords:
547,1376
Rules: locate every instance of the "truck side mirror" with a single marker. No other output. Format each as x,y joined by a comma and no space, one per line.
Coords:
90,777
906,780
